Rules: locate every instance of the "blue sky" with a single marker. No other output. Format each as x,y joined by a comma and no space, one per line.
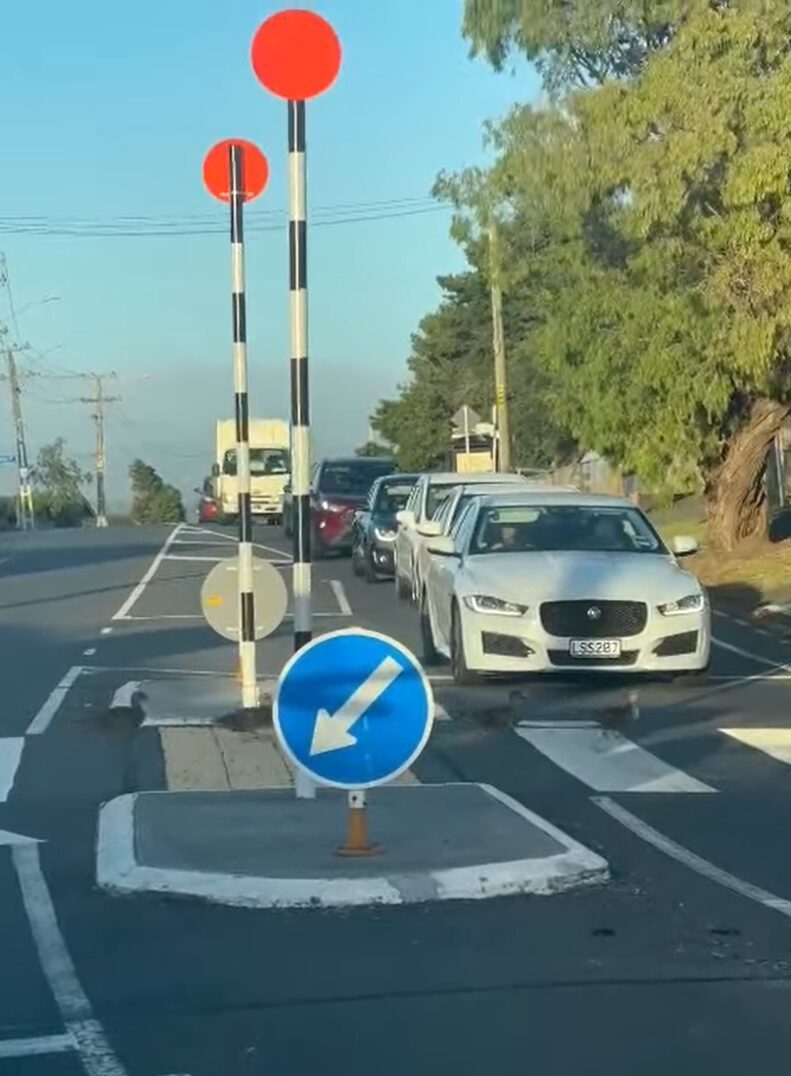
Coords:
108,112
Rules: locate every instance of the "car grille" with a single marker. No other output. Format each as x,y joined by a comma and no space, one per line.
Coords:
562,657
675,645
574,619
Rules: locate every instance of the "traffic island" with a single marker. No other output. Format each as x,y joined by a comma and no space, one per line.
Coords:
267,849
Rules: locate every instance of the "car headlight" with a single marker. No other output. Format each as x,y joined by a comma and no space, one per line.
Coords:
693,603
483,603
384,535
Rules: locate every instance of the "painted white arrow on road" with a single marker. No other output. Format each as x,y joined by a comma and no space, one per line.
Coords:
331,731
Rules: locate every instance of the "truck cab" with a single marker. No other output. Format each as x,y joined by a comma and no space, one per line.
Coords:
270,468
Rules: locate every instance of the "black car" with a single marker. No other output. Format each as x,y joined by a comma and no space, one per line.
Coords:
375,526
338,489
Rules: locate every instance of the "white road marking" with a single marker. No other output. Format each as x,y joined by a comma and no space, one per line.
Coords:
89,653
690,859
43,718
95,1052
137,593
124,697
773,742
340,596
607,761
44,1044
758,658
107,631
440,713
10,757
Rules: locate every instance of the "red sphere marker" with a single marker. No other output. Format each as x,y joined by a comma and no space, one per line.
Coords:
296,55
217,170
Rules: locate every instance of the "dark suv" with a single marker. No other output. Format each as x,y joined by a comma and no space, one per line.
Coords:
338,489
375,526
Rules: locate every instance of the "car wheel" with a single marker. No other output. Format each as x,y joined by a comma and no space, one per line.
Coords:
462,675
369,572
402,588
357,566
431,655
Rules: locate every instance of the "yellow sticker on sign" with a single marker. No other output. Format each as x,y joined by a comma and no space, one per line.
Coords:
214,600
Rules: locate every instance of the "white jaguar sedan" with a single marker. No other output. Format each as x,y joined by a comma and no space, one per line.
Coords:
558,582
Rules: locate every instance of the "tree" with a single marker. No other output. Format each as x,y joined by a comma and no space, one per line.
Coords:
374,449
451,365
153,501
650,219
576,42
59,481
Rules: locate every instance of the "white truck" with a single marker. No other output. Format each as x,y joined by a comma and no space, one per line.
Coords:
270,468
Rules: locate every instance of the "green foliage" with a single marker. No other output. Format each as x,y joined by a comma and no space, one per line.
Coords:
58,482
153,501
575,42
373,449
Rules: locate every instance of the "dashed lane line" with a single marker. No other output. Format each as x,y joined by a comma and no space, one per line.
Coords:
43,718
340,596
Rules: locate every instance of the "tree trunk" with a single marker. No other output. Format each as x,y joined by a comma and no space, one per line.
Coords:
736,498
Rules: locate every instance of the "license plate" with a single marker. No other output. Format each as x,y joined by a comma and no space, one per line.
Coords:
595,648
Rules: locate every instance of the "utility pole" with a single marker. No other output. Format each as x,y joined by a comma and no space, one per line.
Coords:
500,376
25,516
98,401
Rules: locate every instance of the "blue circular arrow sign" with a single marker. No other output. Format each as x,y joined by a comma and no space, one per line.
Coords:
353,709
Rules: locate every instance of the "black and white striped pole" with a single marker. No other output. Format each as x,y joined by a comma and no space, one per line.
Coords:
296,55
300,392
235,172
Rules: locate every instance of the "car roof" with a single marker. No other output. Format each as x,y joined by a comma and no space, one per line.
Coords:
453,478
362,460
519,487
401,476
557,496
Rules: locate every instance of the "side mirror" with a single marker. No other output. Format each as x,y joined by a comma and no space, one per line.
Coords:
405,517
215,470
430,529
684,546
443,547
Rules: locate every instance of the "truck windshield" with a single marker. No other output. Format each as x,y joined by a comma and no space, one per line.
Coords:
263,461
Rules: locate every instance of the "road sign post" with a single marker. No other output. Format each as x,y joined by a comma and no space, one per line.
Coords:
296,55
236,172
353,710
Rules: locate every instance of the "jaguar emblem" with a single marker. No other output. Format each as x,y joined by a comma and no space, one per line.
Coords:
594,613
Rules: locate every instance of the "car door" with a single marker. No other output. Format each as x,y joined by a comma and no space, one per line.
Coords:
423,557
443,572
362,520
403,548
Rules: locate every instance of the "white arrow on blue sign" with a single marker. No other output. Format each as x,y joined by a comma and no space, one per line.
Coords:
353,709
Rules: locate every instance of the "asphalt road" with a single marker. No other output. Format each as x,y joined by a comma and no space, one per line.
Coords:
682,963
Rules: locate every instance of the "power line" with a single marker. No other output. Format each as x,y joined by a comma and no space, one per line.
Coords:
117,229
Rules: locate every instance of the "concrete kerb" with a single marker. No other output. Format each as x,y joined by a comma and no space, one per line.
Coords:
564,864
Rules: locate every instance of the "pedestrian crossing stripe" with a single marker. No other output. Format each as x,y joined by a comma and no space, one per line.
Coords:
775,742
606,761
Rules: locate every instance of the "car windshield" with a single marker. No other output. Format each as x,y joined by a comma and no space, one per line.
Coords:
353,478
263,461
564,528
392,497
437,495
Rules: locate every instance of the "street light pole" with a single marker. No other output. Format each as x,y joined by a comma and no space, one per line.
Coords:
25,515
500,375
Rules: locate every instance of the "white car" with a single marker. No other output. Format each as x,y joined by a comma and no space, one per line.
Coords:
558,582
449,513
429,493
